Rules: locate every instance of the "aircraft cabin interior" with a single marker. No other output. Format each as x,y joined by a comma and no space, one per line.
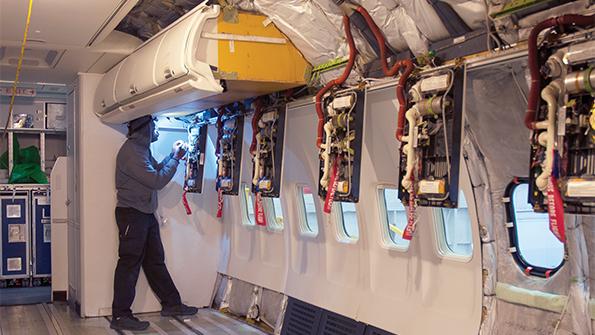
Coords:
297,167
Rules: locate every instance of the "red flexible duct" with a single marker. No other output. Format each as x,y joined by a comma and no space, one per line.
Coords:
389,72
258,112
336,82
564,20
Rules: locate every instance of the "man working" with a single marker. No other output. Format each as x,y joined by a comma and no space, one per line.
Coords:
138,178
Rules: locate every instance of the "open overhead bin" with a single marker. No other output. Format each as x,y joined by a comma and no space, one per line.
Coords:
200,62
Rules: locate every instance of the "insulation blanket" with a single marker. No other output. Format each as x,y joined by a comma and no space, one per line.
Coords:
497,127
316,33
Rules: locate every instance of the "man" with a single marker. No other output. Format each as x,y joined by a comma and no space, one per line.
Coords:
138,178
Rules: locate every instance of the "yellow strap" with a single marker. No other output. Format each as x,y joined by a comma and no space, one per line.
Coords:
19,65
395,229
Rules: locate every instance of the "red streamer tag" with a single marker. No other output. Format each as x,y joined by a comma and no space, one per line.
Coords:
330,195
186,205
220,203
410,228
555,209
261,219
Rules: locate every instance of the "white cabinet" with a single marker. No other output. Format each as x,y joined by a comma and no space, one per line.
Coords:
137,73
170,63
105,96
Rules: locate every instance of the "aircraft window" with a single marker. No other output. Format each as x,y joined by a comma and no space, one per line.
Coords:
273,207
456,229
533,245
249,218
394,216
347,219
309,217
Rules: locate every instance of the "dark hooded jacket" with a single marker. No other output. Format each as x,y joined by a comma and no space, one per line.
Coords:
138,175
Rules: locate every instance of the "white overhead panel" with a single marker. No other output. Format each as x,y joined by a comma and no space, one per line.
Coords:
55,66
161,74
61,22
33,58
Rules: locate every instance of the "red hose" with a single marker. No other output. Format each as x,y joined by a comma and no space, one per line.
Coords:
258,112
389,72
186,204
564,20
336,82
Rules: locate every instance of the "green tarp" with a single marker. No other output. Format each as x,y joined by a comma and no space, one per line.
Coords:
27,165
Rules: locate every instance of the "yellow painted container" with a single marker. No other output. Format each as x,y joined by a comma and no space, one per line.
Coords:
253,57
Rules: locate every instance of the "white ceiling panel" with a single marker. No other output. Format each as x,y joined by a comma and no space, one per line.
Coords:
57,22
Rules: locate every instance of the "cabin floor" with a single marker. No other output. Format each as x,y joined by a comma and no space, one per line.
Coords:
59,319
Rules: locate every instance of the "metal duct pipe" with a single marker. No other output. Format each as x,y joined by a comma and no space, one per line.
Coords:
336,82
565,20
389,72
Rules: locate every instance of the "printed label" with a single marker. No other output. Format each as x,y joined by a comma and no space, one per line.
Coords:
14,264
13,211
332,189
410,228
47,233
555,210
259,211
16,233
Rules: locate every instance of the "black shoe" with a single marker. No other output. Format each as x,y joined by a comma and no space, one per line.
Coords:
128,323
179,310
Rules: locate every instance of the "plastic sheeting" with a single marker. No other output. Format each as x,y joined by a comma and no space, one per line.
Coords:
316,27
388,21
495,110
589,229
314,32
220,290
271,307
512,30
521,320
240,297
472,12
425,18
578,307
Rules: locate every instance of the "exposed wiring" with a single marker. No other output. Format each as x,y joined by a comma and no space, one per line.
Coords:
563,313
18,72
349,141
518,85
490,35
452,79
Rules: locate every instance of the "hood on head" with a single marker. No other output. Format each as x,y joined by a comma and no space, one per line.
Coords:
141,130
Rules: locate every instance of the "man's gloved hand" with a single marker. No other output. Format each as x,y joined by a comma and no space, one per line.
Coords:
179,150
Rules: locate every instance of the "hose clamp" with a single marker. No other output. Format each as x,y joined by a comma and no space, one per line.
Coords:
587,80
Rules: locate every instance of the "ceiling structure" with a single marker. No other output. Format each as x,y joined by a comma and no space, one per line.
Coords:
67,37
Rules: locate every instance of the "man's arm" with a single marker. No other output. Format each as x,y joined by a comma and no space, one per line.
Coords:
142,170
159,166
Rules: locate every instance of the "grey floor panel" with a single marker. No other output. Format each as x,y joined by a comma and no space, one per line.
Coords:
69,323
25,320
58,319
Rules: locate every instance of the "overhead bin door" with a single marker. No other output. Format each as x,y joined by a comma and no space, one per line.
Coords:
137,73
170,61
105,96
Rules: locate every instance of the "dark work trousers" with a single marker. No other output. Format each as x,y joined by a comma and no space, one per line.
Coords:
140,245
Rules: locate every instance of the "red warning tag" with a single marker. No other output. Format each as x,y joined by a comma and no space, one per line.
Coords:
410,228
555,209
186,204
261,219
220,203
332,189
